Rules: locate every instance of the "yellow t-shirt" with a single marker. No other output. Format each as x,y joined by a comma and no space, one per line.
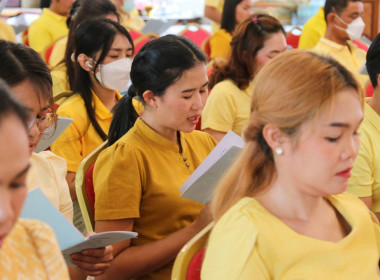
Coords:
131,21
227,107
46,29
248,242
140,176
31,251
48,172
218,4
365,179
58,53
220,44
80,138
7,32
313,30
60,80
350,56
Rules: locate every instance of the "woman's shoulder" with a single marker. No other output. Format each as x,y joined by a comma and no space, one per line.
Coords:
37,230
72,105
225,86
48,156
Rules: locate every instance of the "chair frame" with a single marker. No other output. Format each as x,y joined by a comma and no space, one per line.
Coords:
188,252
80,187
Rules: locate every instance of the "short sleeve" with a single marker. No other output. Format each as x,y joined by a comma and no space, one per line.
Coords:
219,112
231,251
58,167
361,181
117,183
68,145
47,249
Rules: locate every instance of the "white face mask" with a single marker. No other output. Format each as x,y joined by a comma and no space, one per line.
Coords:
354,29
115,75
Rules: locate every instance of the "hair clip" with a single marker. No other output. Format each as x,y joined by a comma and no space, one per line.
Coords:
254,19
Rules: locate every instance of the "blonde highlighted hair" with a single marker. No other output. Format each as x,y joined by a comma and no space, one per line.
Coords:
290,90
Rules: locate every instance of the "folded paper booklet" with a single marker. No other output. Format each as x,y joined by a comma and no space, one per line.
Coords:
70,240
49,137
201,184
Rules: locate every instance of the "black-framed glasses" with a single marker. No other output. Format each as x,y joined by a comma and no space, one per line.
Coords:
45,123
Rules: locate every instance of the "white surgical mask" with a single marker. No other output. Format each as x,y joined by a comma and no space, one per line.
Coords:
128,5
354,29
115,75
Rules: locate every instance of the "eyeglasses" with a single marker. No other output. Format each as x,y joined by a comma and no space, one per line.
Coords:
45,123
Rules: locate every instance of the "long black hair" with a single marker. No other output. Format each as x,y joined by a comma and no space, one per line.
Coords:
19,63
91,37
229,15
84,10
158,65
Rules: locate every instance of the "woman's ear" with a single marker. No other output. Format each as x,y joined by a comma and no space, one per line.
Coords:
85,62
273,136
150,98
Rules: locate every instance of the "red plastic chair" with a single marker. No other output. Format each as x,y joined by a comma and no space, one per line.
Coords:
24,37
369,90
90,187
195,33
140,42
293,37
361,45
135,34
206,48
195,266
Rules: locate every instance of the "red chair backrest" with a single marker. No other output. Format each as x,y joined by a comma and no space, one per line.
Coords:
293,37
90,187
361,45
48,52
369,90
197,36
195,266
206,47
24,37
135,34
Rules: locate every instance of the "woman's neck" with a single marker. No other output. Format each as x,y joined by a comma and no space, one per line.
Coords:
106,96
153,122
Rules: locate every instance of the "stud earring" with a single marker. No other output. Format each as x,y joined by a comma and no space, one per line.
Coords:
279,151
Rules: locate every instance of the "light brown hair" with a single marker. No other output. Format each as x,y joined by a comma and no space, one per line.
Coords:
293,88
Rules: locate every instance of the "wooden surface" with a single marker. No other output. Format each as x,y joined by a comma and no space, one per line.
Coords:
371,18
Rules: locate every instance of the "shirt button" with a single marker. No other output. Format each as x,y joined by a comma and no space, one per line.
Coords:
184,158
187,165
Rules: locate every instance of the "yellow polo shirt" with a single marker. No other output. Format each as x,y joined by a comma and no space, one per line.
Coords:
60,79
58,53
313,30
80,138
46,29
139,177
227,107
350,56
248,242
48,172
218,4
7,32
365,179
220,44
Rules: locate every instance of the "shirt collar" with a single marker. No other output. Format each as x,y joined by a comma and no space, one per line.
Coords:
337,46
157,139
102,111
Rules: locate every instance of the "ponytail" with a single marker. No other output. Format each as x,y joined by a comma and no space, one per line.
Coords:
252,171
124,117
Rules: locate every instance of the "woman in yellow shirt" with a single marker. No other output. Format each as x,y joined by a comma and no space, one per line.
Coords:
127,18
137,179
234,12
280,210
62,66
27,247
255,42
103,51
28,76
